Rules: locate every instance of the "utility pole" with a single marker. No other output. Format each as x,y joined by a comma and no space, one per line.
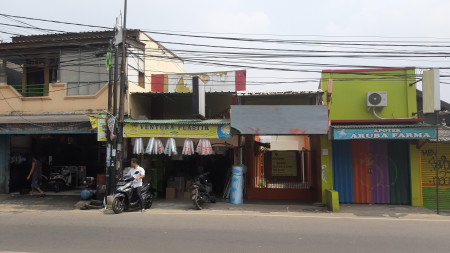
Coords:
123,90
113,165
108,131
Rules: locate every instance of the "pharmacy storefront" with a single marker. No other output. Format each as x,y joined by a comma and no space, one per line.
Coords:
376,164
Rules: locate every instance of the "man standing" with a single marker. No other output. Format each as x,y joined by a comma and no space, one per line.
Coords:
138,173
35,173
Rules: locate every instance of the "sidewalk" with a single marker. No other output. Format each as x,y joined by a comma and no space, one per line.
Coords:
24,203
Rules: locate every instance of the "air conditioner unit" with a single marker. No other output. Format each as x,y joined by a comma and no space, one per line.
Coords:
377,99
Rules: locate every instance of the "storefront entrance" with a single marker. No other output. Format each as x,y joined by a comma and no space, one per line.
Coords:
79,153
372,171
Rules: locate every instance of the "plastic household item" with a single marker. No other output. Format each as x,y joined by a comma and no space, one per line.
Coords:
86,194
237,184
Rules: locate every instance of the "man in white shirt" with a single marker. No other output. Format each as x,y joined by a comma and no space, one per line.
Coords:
138,173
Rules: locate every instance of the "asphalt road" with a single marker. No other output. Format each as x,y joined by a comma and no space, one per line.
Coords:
94,231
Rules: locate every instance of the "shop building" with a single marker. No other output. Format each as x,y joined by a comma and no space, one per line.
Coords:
168,113
280,143
374,138
428,159
48,86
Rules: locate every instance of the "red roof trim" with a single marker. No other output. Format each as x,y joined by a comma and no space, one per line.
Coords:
377,120
365,70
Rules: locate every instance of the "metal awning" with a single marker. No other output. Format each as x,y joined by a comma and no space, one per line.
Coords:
43,118
279,119
179,121
46,124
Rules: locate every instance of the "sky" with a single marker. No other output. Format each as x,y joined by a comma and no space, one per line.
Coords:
410,21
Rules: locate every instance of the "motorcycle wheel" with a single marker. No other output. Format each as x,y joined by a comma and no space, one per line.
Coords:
58,186
149,202
117,205
212,198
198,203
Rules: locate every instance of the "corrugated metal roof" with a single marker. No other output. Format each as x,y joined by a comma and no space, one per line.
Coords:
180,121
108,34
278,92
46,118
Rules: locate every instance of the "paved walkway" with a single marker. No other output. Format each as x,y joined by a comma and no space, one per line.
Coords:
25,203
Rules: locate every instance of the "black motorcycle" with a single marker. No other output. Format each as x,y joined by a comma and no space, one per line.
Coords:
202,191
124,196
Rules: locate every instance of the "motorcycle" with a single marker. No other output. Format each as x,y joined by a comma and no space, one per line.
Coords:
202,191
60,178
124,196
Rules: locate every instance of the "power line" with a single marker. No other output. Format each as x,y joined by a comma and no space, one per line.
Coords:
348,42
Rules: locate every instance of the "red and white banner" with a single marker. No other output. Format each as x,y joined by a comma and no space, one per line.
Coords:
230,81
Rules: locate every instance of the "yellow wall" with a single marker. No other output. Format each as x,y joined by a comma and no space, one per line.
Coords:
398,83
158,60
326,166
56,102
416,197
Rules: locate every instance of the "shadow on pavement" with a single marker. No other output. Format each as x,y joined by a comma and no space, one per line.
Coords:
26,202
21,203
380,210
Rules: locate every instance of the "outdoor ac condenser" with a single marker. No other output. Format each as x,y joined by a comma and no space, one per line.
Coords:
377,99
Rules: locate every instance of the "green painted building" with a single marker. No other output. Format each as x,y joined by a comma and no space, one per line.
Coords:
371,154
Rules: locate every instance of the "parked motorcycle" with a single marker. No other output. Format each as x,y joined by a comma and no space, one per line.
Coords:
60,178
124,196
202,191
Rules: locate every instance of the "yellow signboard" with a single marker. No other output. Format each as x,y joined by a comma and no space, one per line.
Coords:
284,163
176,131
101,129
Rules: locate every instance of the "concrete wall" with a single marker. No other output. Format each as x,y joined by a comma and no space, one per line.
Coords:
349,93
326,166
157,60
57,101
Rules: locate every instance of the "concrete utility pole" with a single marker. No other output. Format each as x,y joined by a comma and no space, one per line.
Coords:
123,91
108,131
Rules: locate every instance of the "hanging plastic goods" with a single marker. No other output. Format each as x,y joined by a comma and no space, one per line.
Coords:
204,147
138,146
150,146
168,150
188,147
210,149
191,146
199,148
171,147
186,150
174,146
159,147
207,148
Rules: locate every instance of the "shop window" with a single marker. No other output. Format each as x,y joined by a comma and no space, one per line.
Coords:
141,79
284,169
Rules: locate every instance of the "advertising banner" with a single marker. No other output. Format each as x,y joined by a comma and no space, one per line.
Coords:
101,129
176,131
384,133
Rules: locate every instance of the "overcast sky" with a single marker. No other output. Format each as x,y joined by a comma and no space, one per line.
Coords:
321,20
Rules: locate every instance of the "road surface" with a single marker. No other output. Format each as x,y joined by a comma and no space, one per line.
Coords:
96,231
